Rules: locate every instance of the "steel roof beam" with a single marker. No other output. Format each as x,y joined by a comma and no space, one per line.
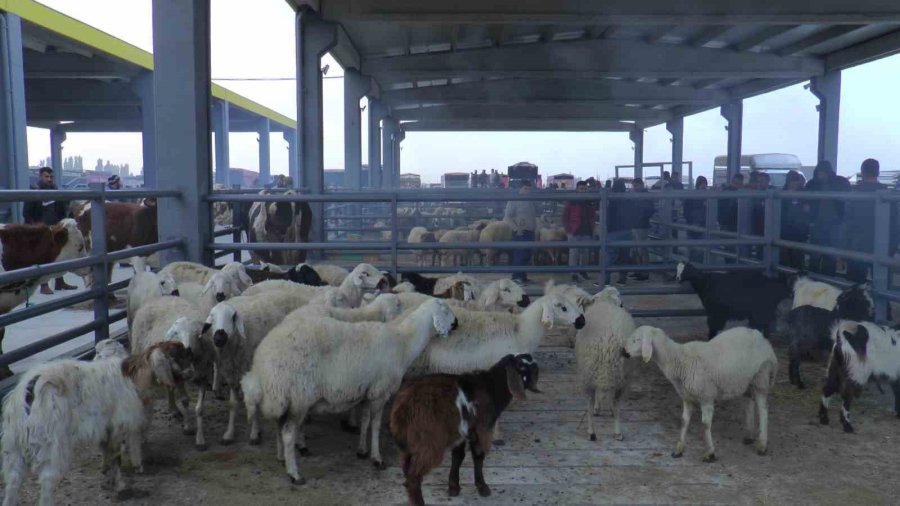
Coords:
590,59
80,112
518,125
532,111
864,52
766,34
817,38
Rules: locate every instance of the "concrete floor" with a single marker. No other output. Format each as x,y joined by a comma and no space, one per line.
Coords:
548,458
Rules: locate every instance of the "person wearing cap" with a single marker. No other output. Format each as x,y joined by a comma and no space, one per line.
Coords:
114,183
48,212
521,216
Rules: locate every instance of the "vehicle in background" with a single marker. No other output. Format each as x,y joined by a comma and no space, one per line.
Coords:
523,170
455,180
410,180
776,165
562,181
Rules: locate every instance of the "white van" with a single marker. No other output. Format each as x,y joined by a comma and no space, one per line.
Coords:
776,165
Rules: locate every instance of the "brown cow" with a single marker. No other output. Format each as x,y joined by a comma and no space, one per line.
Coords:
127,225
281,222
26,245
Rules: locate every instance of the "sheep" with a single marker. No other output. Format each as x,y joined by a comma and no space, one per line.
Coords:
334,275
809,326
862,351
349,294
109,348
383,308
500,295
190,272
60,404
808,292
581,297
458,256
218,288
735,296
404,287
418,235
237,326
739,361
603,371
443,285
434,413
145,286
554,256
495,231
325,365
302,273
176,319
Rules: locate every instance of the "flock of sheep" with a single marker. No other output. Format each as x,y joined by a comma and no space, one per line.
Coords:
451,352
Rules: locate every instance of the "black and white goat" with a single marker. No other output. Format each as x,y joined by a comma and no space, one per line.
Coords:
862,351
437,412
735,296
809,326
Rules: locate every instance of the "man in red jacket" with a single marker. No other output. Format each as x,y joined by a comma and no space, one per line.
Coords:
578,219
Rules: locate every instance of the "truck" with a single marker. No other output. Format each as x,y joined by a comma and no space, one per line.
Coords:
776,165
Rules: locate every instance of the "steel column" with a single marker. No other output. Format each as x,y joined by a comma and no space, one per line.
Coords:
827,88
356,86
290,136
398,138
389,131
13,139
676,128
637,138
733,112
376,114
265,152
57,137
772,233
143,85
100,271
881,274
181,86
221,113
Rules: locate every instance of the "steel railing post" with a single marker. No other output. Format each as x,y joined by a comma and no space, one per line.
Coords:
712,212
772,232
394,234
98,248
236,211
665,214
601,236
881,253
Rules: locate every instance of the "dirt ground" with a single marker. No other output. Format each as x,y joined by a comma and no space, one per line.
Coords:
548,458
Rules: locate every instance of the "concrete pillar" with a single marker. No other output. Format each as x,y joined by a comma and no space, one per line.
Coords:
265,152
637,137
182,91
376,114
314,38
290,136
733,113
676,128
13,140
221,110
143,85
356,86
827,89
390,129
57,137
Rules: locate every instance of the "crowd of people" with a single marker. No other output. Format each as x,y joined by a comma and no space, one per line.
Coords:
485,180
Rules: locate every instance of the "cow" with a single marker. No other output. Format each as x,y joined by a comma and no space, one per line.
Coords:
127,225
281,222
26,245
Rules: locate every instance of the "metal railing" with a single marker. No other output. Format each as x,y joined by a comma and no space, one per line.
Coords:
97,260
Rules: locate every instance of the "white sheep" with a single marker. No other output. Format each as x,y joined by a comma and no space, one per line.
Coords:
190,272
59,405
458,256
236,327
495,231
404,287
109,348
218,288
334,275
325,365
349,294
580,297
444,284
552,233
602,370
500,295
738,361
808,292
418,235
383,308
145,286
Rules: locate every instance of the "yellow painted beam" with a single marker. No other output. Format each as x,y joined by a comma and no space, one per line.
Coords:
83,33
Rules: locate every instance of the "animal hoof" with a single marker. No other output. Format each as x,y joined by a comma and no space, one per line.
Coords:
189,431
593,437
800,386
453,490
483,490
379,465
618,436
297,481
762,450
823,417
255,441
848,428
498,442
226,442
749,440
362,455
677,455
350,429
304,452
709,458
202,447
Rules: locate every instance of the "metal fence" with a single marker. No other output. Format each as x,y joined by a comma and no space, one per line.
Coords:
97,260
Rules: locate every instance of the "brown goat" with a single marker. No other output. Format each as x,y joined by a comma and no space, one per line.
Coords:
437,412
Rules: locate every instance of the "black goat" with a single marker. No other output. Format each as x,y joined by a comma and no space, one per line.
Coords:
422,284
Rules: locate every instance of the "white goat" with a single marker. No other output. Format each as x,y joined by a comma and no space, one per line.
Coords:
738,361
325,365
109,348
145,286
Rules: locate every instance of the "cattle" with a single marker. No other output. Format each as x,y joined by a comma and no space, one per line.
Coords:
26,245
281,222
127,225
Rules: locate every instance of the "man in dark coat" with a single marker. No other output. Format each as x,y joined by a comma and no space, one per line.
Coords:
859,220
827,215
48,212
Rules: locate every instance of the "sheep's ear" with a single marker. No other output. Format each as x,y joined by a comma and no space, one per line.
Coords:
170,334
162,368
239,323
206,326
491,294
357,279
244,277
514,382
207,287
547,316
646,347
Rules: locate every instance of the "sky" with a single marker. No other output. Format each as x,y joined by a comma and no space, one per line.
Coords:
259,42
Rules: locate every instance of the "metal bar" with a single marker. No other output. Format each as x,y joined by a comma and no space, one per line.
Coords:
772,232
38,271
226,231
880,249
30,349
235,229
602,234
46,307
565,269
395,236
145,250
100,277
30,195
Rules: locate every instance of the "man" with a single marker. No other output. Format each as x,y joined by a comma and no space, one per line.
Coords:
728,208
114,182
521,216
827,215
641,212
578,219
859,220
664,182
48,212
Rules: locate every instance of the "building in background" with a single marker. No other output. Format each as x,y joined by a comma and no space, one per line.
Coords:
410,180
562,181
455,180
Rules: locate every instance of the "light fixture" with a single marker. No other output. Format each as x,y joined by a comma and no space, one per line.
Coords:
325,70
66,122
